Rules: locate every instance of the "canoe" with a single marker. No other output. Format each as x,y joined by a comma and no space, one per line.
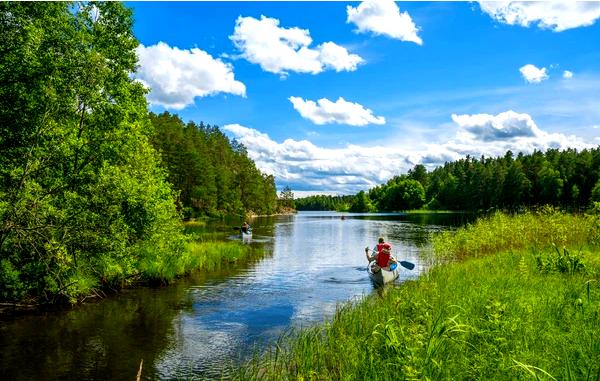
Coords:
382,276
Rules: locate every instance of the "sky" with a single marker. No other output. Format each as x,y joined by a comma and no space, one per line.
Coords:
338,97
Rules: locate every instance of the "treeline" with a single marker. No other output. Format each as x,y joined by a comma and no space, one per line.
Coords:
567,179
86,200
324,202
212,175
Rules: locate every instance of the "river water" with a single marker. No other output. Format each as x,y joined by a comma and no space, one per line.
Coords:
309,263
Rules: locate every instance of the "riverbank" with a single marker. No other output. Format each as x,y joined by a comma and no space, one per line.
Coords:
201,251
281,212
522,302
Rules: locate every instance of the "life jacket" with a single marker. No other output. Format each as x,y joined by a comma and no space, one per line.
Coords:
383,257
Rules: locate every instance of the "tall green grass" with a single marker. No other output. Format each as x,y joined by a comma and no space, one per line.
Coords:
533,229
203,250
514,313
202,256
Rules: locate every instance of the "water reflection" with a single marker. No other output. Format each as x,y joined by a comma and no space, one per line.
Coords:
309,263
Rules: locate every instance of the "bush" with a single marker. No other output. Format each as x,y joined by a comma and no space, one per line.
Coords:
562,262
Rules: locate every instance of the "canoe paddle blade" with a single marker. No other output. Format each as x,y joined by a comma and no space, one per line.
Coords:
407,265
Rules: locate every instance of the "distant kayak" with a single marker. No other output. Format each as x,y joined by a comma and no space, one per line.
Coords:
382,276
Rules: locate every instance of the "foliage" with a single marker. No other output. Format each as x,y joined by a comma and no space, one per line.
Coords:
569,179
560,261
82,196
401,193
324,202
486,318
361,203
286,198
596,192
213,175
541,229
196,256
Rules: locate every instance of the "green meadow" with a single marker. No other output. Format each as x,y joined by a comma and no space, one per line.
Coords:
508,297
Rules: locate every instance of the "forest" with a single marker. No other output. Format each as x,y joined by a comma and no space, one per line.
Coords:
569,179
212,175
324,202
92,186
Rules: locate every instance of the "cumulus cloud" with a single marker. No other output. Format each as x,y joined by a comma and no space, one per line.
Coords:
280,50
533,74
567,74
341,111
493,135
506,125
177,76
383,17
555,15
306,167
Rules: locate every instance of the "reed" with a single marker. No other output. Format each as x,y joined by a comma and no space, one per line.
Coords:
501,315
533,229
197,256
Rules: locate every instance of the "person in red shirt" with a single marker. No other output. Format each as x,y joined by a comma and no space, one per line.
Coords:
382,254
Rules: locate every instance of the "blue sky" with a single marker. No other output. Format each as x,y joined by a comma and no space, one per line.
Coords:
337,97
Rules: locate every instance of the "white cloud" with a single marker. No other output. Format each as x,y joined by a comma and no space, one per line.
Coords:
306,167
567,74
556,15
532,74
325,111
281,50
505,125
176,76
383,17
493,135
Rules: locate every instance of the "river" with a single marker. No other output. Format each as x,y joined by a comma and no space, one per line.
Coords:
308,264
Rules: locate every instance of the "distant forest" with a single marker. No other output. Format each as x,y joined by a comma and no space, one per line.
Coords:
568,179
212,175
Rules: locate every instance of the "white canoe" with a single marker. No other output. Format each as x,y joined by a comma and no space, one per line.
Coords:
382,276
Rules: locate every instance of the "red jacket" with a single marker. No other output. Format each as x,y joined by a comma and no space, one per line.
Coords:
383,257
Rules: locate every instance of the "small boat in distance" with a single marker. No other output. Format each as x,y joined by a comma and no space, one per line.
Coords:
381,277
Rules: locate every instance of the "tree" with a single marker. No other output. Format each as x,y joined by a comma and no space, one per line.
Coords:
516,185
361,203
596,192
404,195
550,186
419,173
83,195
287,197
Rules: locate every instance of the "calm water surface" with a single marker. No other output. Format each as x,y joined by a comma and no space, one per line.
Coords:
309,263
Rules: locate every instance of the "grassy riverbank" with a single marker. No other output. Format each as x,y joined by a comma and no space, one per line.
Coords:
197,256
197,250
519,306
202,250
